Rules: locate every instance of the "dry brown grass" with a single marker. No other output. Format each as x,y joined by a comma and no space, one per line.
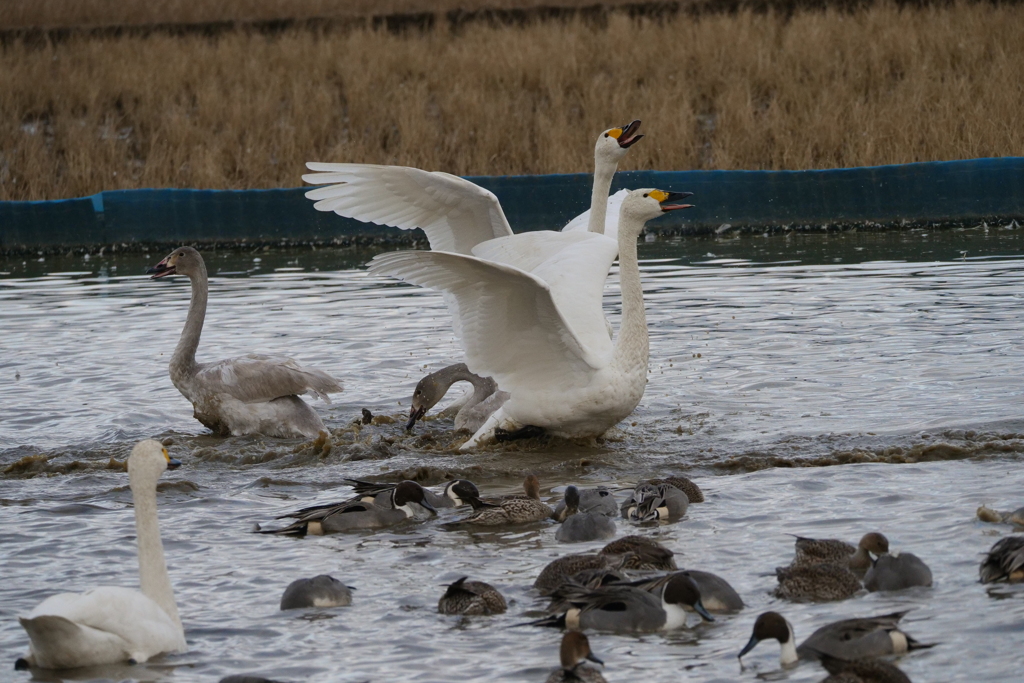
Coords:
19,14
244,110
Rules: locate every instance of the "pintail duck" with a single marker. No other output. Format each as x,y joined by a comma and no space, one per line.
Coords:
847,639
320,591
862,671
586,580
833,551
715,592
627,609
687,486
896,571
599,501
1015,518
816,582
516,509
456,493
575,650
578,526
558,572
641,553
652,503
471,598
355,515
1005,561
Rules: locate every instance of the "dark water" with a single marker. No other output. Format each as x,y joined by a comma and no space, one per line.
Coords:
893,354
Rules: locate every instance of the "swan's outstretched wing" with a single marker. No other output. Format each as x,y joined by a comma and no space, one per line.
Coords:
512,329
574,265
455,214
256,378
611,221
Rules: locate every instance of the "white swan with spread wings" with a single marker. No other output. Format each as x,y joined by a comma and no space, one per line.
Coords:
541,333
455,214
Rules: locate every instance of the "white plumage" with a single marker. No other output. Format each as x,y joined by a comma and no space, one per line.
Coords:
112,624
541,334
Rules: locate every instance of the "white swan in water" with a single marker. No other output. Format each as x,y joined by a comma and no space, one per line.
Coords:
108,625
566,378
253,394
461,217
455,214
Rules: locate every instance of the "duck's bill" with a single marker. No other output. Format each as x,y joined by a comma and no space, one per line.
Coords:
749,646
414,414
702,611
592,657
160,270
675,197
426,504
173,464
629,136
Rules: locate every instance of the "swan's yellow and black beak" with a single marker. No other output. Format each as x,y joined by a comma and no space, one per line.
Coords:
663,197
162,269
172,463
626,135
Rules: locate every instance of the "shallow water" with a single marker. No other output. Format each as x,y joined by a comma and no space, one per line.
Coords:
766,352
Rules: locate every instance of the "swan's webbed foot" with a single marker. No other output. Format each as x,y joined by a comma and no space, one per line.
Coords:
21,664
527,432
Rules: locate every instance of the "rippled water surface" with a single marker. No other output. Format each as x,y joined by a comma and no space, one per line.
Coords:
893,354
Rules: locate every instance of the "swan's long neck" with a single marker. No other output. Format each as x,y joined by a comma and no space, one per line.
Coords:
483,387
603,173
153,578
183,363
632,348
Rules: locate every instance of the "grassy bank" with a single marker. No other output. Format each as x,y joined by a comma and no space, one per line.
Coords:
27,14
246,110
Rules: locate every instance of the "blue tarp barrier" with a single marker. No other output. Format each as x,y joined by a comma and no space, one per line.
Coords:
936,192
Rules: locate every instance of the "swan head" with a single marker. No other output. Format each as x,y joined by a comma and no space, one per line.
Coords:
428,392
182,261
613,143
149,459
640,206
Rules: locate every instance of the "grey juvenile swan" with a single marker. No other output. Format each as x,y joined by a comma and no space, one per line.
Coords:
471,410
245,395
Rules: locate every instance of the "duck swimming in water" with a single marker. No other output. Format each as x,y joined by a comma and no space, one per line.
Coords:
355,515
846,639
623,608
580,527
471,598
1005,561
574,652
